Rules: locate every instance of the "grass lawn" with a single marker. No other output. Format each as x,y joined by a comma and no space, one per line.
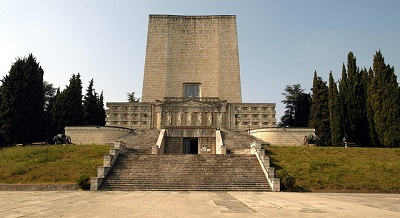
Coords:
50,164
339,168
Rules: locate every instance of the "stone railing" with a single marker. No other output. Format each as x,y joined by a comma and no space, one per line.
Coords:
269,172
158,148
108,162
219,144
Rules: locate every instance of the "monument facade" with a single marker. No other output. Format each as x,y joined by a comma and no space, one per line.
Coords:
191,85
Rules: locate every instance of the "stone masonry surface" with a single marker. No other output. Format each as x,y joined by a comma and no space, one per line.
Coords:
199,50
197,204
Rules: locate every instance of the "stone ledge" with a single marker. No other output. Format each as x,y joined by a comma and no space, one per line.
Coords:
39,187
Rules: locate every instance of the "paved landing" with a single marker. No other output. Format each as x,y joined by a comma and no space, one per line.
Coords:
197,204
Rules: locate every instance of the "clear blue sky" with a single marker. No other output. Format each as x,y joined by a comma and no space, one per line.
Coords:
281,42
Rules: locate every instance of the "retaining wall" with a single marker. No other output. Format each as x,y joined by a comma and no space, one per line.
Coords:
283,136
95,134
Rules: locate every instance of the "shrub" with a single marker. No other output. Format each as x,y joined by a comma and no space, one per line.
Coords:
83,182
287,181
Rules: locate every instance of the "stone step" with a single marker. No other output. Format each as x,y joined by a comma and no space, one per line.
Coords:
186,172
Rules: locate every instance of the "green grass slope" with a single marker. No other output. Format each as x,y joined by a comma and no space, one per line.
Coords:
50,164
339,168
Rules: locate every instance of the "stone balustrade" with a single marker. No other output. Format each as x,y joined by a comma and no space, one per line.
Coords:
108,162
264,160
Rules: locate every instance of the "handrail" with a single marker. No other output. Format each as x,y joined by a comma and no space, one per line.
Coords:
268,171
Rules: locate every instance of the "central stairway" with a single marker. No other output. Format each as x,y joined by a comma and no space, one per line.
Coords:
230,172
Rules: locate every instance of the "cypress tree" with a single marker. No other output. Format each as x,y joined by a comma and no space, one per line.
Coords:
73,94
68,108
50,92
343,93
319,116
303,110
101,112
22,114
384,100
59,111
373,138
335,113
90,105
356,103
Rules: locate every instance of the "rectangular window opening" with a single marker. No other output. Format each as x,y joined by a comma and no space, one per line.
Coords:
191,90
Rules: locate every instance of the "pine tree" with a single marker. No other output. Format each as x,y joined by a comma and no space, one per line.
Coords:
384,100
335,113
319,116
22,114
297,107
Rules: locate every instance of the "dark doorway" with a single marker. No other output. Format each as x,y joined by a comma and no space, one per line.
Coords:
190,146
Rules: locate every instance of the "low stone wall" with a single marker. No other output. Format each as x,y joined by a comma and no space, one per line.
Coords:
283,136
95,134
38,187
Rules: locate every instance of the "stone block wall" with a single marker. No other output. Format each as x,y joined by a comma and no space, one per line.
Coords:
132,115
95,134
199,50
283,136
248,116
197,112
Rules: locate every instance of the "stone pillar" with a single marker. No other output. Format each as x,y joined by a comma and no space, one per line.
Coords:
276,185
158,117
155,150
95,183
271,172
266,161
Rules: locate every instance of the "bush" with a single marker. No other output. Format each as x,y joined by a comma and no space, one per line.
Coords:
83,182
287,181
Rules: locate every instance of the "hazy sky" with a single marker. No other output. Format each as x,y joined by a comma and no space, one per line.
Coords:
281,42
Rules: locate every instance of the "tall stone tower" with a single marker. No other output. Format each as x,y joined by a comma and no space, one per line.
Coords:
192,56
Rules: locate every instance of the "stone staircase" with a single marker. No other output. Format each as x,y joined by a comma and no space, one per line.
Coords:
228,172
140,142
238,141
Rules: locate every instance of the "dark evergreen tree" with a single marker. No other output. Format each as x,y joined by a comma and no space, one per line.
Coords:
73,98
50,92
59,112
319,116
297,107
2,141
370,112
90,105
68,108
22,114
101,112
343,92
93,107
131,97
303,110
384,100
356,104
335,113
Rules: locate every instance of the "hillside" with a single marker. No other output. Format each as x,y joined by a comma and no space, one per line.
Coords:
50,164
339,168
